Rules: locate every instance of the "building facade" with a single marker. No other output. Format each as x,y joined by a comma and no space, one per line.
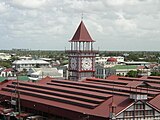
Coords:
27,64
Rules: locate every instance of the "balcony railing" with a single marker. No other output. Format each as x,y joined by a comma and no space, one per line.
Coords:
82,51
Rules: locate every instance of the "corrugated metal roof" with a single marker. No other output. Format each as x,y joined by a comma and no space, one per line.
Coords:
134,83
155,102
92,96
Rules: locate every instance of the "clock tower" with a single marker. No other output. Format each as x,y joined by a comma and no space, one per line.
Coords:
81,55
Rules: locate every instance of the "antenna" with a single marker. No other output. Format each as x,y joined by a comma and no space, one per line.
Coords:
82,16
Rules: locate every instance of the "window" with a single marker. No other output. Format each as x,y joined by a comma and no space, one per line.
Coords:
139,113
139,106
128,113
148,112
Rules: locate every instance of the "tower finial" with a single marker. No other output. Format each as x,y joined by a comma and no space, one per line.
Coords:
82,16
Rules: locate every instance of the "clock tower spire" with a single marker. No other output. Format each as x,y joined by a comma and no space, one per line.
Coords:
81,55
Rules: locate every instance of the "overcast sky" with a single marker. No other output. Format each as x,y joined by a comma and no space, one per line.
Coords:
50,24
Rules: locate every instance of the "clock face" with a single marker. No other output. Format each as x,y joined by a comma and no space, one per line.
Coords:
86,64
73,63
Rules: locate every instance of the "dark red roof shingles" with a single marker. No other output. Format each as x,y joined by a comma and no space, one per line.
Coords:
81,34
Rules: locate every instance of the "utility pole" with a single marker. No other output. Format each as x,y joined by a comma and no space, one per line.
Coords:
18,92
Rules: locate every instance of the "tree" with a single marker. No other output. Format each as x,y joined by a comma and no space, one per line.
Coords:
155,74
6,64
132,74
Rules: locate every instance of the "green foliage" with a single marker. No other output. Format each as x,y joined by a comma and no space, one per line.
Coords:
132,74
155,74
13,58
64,62
148,56
6,64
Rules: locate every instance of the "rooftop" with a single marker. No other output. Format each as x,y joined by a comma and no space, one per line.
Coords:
82,34
92,96
30,62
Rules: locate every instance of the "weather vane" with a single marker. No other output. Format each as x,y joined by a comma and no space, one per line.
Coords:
82,16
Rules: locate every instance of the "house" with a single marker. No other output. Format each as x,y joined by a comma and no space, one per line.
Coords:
103,71
122,70
39,73
25,58
27,64
112,61
144,70
103,60
8,72
5,56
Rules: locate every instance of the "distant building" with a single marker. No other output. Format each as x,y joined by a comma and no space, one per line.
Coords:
46,59
5,56
25,58
27,64
39,73
9,72
112,61
104,71
103,60
55,63
144,70
137,63
122,70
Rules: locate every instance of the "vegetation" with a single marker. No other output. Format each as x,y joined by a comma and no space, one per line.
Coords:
6,64
155,74
148,56
132,73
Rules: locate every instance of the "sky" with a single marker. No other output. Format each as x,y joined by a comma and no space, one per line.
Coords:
115,25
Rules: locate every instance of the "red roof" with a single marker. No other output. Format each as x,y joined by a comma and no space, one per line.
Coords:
82,34
71,99
134,83
69,95
8,70
111,59
155,102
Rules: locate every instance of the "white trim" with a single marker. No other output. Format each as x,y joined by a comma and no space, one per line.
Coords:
136,102
125,108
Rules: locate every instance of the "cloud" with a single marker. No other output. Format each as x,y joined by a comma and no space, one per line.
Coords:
3,7
124,23
49,24
121,2
30,4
